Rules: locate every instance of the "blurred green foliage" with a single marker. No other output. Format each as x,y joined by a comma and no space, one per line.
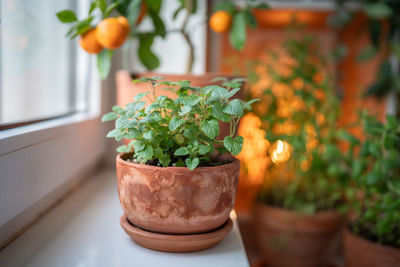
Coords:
376,172
300,107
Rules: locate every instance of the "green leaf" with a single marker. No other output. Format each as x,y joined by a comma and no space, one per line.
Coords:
250,19
182,151
122,123
192,163
139,96
139,146
248,104
132,134
185,110
175,123
233,145
203,149
123,149
159,27
210,128
237,35
225,5
149,135
102,4
234,108
146,154
66,16
146,55
117,134
110,8
109,117
367,53
233,92
378,10
117,109
191,100
104,63
218,113
190,133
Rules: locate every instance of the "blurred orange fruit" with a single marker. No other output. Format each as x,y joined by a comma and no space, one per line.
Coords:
112,32
220,21
89,43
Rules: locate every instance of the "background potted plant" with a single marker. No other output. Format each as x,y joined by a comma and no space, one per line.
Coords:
174,176
296,215
373,237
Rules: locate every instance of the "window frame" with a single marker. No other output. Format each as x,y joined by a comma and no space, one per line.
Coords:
44,157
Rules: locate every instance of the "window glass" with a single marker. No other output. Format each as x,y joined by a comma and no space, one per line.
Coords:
38,63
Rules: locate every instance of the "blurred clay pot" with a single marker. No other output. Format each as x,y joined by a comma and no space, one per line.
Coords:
126,90
291,239
359,251
175,199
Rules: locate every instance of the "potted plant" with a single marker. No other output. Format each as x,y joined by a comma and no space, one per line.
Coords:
297,218
111,32
174,176
373,237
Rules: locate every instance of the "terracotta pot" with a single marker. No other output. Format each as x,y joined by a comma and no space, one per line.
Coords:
175,199
287,238
359,251
126,90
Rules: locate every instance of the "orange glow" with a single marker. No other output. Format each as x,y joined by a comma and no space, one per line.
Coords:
280,152
254,153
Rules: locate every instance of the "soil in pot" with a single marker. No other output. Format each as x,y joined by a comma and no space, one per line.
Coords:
359,251
175,199
290,239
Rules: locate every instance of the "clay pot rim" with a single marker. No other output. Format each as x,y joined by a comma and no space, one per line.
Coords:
359,238
144,166
323,213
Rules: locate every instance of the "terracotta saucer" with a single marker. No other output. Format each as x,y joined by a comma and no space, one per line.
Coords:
175,242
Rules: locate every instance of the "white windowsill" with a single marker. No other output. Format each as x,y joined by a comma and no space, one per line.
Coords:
84,230
14,139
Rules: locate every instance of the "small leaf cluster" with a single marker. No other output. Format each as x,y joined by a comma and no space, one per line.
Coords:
303,111
376,171
241,18
181,131
129,9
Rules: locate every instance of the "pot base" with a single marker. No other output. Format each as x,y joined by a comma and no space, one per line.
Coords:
175,242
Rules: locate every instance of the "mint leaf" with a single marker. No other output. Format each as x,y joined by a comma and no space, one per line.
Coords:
123,149
139,146
233,145
140,96
148,135
175,123
249,103
203,149
234,108
109,117
210,128
132,134
192,163
185,110
233,92
146,154
182,151
218,113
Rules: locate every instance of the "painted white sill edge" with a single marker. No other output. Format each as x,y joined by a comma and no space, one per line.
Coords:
84,230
